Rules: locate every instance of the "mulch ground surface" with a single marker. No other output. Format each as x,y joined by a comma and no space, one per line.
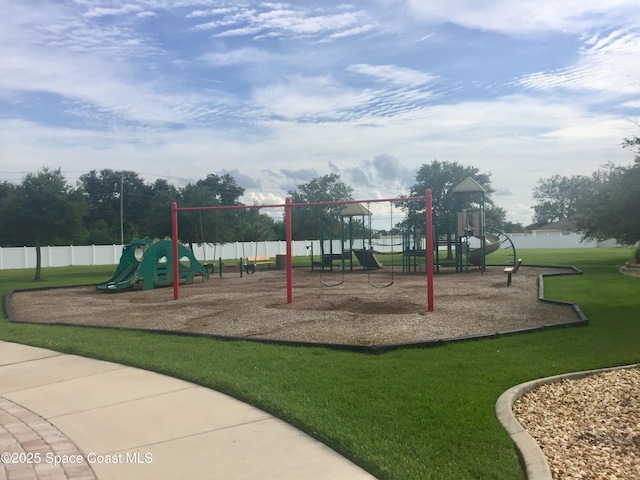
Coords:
351,313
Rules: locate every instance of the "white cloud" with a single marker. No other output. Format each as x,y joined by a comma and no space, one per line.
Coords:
351,32
256,198
111,11
236,57
282,19
525,17
393,74
606,63
517,139
277,92
304,96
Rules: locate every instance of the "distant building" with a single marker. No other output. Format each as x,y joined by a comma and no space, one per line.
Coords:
561,227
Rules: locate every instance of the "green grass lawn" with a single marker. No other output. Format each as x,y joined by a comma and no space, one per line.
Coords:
407,414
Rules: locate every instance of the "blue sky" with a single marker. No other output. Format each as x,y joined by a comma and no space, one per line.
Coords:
277,93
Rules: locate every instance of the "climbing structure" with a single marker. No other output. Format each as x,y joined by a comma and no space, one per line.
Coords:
150,264
474,239
468,198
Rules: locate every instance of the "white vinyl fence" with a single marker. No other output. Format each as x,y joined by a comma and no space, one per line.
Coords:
25,257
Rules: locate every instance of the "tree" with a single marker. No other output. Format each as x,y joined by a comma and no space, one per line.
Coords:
442,178
223,189
612,207
43,210
558,198
306,221
216,227
6,191
609,206
513,227
108,192
157,222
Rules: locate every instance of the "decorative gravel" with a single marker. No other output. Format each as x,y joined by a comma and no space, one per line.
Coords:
588,428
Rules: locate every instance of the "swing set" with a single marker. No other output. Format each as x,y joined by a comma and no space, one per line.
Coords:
288,210
247,263
366,256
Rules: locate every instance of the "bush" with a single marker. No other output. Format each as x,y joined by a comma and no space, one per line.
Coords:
636,255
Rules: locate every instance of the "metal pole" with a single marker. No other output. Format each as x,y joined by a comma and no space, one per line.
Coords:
174,241
289,238
289,235
429,232
122,210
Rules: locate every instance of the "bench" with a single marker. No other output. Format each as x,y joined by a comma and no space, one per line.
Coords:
252,263
511,270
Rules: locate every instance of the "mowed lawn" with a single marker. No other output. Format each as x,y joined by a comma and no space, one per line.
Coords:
406,414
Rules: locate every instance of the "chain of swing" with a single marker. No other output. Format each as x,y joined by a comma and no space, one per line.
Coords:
248,267
367,255
392,250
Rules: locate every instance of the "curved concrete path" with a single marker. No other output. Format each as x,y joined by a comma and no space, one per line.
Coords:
69,417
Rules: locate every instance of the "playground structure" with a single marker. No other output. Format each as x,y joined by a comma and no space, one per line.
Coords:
288,210
474,240
365,255
151,264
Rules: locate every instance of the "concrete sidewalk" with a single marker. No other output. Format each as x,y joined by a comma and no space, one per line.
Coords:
64,416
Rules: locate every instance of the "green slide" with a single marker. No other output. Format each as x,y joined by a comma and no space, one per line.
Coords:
150,264
126,275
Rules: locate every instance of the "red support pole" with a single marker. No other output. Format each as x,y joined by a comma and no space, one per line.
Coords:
429,234
174,241
289,235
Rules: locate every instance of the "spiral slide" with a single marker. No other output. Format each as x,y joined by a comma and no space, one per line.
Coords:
491,244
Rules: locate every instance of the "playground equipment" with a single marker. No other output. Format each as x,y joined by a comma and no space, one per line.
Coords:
151,264
413,249
348,248
288,209
468,198
471,228
491,244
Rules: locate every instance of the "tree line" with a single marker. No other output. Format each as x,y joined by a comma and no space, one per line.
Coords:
605,204
107,206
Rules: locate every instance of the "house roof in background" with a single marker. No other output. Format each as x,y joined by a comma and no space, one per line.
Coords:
564,225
